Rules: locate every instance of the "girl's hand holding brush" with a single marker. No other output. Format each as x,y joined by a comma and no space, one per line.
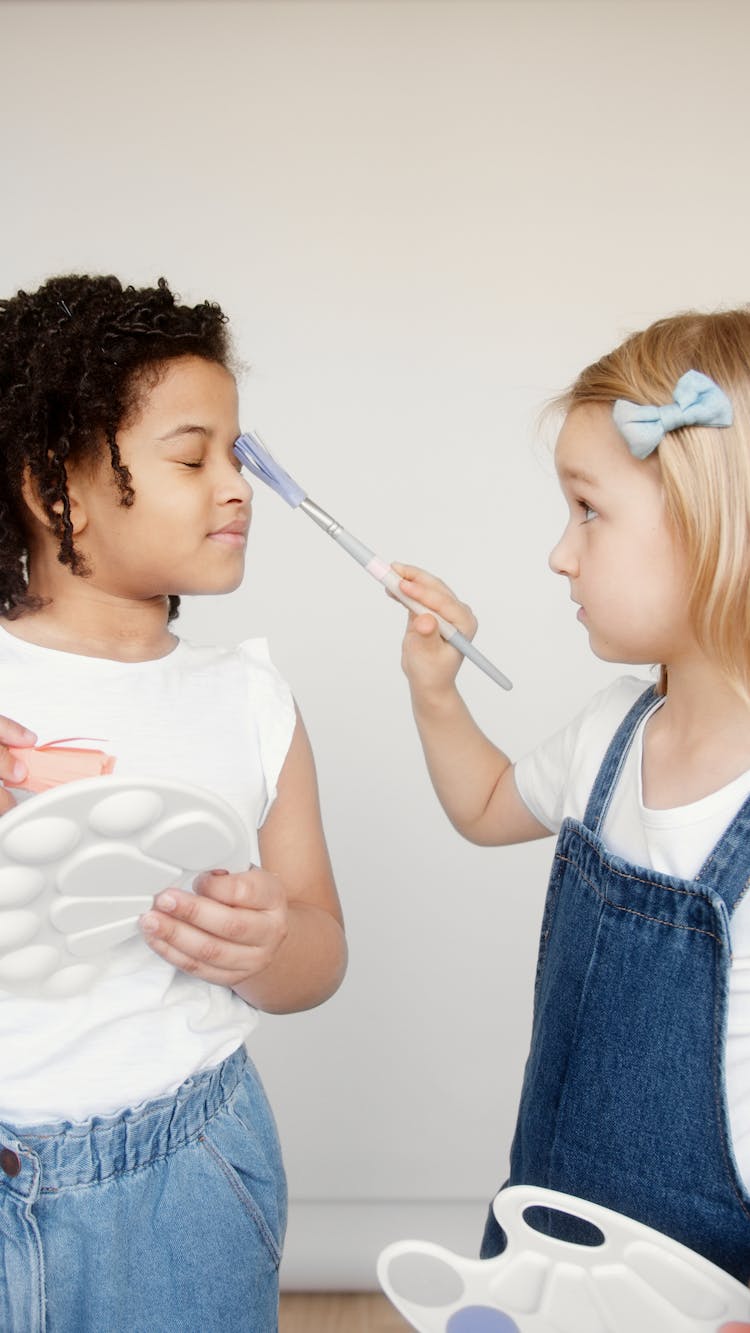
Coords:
429,661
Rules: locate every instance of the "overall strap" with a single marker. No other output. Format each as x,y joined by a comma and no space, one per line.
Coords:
611,767
727,868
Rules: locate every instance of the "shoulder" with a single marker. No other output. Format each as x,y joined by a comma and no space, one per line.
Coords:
264,678
606,709
246,667
251,658
555,779
273,707
597,722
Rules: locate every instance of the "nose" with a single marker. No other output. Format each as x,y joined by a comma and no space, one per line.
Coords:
234,485
562,557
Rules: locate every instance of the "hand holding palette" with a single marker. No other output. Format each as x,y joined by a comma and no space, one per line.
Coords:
617,1277
80,863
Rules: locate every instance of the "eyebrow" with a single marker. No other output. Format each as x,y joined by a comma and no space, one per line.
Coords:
576,474
186,429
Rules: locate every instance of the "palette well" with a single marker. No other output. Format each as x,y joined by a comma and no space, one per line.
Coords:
80,863
617,1276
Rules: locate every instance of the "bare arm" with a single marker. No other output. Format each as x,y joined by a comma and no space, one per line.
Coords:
274,934
311,963
473,779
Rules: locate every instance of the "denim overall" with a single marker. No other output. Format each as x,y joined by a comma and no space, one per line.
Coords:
623,1099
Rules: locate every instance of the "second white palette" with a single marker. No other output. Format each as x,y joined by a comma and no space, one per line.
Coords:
622,1278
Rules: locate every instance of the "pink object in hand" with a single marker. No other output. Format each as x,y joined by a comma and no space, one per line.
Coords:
48,766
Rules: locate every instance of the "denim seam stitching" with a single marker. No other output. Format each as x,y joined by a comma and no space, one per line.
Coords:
719,1105
548,921
603,790
574,1044
640,879
659,921
244,1197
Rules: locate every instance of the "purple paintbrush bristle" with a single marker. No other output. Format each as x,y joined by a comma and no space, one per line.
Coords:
255,457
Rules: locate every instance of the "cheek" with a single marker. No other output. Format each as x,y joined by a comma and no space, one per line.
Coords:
169,511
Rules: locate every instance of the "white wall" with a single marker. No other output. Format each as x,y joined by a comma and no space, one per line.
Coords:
424,216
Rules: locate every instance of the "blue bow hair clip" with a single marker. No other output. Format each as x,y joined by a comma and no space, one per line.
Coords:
698,401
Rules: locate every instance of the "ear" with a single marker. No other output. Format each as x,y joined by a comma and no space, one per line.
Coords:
36,508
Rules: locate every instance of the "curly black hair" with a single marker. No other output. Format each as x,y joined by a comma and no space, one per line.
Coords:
73,358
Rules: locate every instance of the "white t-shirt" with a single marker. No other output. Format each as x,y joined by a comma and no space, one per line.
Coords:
555,782
218,718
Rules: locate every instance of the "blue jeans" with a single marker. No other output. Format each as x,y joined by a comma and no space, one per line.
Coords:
164,1219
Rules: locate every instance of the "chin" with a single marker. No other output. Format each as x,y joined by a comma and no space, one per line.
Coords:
217,589
214,582
608,652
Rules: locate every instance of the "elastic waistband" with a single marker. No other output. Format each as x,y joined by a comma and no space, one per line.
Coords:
65,1154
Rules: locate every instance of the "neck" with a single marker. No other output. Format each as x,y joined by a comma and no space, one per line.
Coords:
80,614
698,741
699,696
98,626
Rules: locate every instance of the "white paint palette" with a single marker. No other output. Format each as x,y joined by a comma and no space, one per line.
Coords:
622,1277
79,864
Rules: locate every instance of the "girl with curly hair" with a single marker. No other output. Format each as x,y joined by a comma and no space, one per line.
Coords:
141,1183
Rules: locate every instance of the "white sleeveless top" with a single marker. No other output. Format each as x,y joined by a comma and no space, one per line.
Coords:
218,718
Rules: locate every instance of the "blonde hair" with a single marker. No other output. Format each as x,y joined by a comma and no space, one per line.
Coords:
705,470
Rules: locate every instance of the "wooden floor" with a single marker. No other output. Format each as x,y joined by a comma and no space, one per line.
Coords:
351,1313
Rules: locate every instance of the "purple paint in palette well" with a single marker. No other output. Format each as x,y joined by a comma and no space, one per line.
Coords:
427,1280
481,1319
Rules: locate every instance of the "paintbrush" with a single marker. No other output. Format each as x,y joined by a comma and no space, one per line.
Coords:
253,455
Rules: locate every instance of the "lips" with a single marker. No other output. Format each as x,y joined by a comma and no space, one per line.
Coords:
239,525
232,534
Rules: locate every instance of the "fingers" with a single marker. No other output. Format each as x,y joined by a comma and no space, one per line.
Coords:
227,930
254,888
13,733
12,768
436,596
429,662
419,576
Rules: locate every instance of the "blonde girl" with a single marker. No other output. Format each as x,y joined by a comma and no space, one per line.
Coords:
636,1093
